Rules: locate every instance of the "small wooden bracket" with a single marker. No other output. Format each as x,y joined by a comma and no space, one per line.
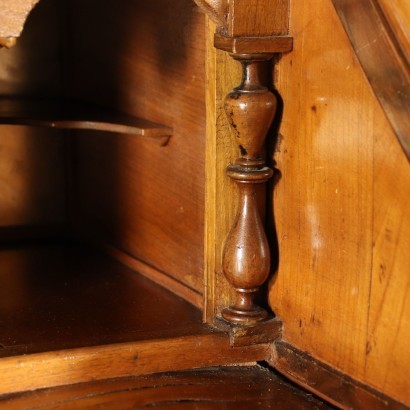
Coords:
250,45
263,332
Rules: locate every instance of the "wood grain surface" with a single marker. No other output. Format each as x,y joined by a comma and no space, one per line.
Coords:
384,58
341,211
146,200
214,388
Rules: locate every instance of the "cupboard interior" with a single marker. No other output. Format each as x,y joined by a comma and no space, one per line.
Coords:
139,196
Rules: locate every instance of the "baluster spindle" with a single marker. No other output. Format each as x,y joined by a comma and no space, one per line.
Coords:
250,108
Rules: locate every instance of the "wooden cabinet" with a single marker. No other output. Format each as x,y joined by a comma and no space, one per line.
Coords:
147,192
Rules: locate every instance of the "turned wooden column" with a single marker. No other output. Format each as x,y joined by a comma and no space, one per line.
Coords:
250,108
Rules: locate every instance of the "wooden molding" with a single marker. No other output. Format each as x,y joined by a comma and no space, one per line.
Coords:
384,62
326,382
57,368
249,45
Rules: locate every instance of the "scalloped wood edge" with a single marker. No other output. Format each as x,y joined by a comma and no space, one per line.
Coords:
13,15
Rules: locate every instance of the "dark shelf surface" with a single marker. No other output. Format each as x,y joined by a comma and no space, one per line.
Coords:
76,115
62,296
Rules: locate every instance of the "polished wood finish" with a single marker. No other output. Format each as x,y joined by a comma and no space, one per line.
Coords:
214,388
341,211
342,282
328,383
77,115
250,108
385,62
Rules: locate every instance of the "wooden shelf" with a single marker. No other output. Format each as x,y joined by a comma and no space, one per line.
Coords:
64,296
76,115
70,314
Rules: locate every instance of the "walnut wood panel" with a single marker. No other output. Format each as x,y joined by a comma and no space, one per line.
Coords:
229,388
341,211
145,59
385,63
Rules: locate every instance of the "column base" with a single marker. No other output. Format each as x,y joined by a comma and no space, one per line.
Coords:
244,317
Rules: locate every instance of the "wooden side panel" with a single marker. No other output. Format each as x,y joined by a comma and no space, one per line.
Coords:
146,59
31,159
223,73
388,331
340,210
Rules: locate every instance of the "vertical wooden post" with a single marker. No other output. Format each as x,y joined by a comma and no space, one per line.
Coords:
252,32
250,108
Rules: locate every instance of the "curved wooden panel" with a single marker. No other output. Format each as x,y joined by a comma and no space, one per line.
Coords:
341,211
374,38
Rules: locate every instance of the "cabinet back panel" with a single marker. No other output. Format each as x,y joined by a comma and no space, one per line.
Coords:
147,59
